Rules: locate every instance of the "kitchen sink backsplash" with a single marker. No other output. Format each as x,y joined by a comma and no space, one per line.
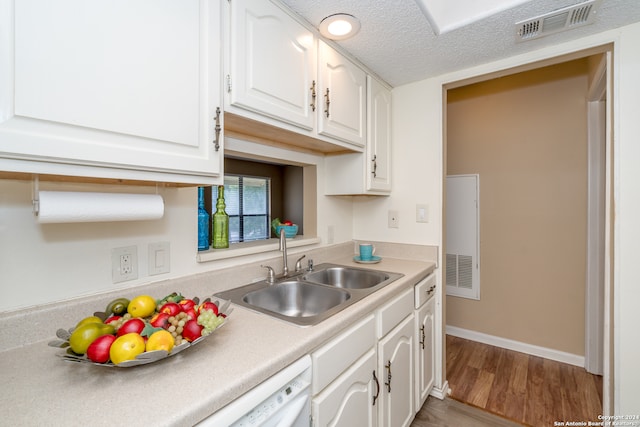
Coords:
23,327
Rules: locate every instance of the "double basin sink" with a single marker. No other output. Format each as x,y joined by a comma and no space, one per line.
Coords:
308,298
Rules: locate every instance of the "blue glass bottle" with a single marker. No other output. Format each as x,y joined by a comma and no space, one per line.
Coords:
203,222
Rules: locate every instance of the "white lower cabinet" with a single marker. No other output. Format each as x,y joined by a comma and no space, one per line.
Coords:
425,353
395,365
365,376
348,401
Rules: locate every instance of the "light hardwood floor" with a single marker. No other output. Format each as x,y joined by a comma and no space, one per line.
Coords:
526,389
451,413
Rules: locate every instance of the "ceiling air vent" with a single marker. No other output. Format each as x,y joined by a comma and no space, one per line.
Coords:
559,20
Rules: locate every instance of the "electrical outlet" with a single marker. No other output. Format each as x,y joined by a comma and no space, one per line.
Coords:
393,219
159,259
124,264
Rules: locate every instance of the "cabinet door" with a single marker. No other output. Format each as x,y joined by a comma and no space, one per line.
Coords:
348,401
273,63
378,150
425,351
341,97
124,84
395,364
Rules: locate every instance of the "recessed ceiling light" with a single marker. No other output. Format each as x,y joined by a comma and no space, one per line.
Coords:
339,26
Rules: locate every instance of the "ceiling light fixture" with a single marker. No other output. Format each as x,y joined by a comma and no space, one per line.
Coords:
339,26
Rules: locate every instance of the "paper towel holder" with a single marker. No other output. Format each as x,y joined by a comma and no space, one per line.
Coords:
100,206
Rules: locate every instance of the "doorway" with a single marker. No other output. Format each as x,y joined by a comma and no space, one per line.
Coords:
536,276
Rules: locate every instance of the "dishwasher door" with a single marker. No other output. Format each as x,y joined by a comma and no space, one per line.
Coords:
283,400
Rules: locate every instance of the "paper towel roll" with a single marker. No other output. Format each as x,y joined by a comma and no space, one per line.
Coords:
68,206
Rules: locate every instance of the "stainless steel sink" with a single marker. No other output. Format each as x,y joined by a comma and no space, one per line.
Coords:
296,299
347,277
306,299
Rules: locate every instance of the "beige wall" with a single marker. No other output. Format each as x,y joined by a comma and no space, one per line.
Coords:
525,135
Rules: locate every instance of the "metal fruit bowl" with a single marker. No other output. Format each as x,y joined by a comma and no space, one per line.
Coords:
143,358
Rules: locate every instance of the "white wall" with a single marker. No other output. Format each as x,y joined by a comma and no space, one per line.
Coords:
45,263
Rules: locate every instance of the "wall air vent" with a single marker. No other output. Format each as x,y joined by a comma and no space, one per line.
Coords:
559,20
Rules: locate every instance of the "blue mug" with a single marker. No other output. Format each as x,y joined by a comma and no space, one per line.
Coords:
366,251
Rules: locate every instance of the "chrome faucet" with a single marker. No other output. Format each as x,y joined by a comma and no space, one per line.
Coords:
283,248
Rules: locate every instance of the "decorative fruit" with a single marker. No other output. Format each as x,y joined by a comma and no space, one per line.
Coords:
82,337
187,304
118,306
160,340
208,306
172,297
134,325
192,314
192,330
210,321
126,347
160,320
171,308
98,351
142,306
112,319
287,222
90,319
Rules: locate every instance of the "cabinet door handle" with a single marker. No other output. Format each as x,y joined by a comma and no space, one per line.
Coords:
422,336
327,102
218,128
375,165
431,289
377,388
313,96
388,383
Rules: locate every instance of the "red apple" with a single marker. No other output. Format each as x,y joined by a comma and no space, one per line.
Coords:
171,308
287,222
98,350
111,319
187,304
192,313
192,330
208,306
132,325
160,320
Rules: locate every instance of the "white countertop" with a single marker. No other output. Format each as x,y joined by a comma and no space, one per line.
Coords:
42,389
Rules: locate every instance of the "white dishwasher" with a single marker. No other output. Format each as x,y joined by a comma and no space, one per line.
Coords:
284,400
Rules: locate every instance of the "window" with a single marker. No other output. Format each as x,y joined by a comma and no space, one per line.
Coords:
255,193
248,204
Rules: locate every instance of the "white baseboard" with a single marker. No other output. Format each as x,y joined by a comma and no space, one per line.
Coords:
442,392
534,350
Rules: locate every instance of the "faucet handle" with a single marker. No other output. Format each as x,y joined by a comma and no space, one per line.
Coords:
271,275
299,263
310,265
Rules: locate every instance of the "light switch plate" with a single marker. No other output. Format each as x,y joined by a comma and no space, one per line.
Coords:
393,219
159,258
422,213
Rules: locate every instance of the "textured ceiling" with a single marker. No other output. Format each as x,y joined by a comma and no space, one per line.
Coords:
397,42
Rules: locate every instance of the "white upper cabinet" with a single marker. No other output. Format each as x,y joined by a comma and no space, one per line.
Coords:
342,97
124,89
367,173
272,67
378,152
279,73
